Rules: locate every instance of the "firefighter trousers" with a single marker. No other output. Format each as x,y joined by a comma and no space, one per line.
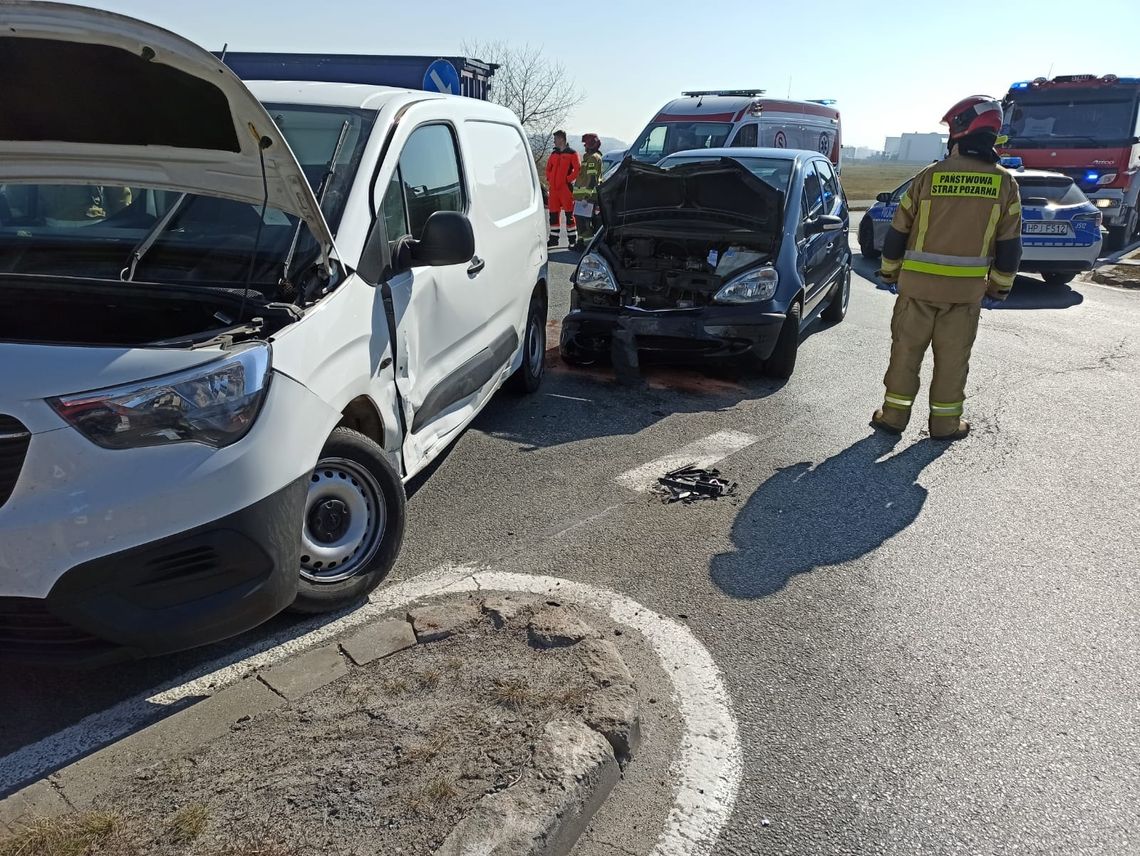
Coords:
916,325
562,201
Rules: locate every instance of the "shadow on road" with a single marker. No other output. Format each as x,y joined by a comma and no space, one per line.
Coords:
805,517
1032,293
1028,292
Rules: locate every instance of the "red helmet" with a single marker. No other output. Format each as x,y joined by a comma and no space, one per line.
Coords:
591,141
973,114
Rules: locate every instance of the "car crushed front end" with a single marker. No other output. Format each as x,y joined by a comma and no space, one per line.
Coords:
683,267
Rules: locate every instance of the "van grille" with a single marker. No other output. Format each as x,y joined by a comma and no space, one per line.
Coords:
14,440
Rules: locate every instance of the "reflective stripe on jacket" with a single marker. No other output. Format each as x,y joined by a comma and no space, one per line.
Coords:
961,220
586,185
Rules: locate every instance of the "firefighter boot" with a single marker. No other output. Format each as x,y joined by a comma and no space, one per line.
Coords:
948,428
892,420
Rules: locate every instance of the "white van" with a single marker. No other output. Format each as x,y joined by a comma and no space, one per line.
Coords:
237,319
741,118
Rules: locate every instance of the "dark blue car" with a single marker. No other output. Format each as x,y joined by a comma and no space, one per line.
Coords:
712,254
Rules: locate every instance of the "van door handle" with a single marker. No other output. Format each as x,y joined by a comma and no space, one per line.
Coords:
477,265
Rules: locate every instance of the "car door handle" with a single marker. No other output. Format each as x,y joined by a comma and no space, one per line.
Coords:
477,264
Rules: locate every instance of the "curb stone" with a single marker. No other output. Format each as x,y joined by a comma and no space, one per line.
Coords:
576,763
544,815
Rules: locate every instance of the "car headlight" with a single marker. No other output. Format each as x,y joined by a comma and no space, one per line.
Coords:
1105,203
214,404
1107,178
595,275
751,287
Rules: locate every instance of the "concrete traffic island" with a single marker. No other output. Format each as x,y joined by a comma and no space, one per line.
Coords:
489,725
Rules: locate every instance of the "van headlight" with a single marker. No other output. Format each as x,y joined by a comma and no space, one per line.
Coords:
215,404
595,275
754,286
1107,178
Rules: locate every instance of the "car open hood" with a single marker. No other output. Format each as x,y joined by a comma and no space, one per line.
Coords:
721,191
91,97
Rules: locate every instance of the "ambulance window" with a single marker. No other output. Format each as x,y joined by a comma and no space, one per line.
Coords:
813,193
654,143
746,137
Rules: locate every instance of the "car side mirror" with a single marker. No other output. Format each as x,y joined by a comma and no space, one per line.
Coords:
823,223
885,198
447,239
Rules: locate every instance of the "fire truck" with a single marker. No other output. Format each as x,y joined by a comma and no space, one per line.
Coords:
1088,128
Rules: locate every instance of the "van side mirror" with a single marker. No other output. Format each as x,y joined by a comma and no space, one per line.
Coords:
823,223
447,239
885,198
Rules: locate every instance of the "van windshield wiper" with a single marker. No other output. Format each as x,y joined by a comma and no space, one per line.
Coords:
322,192
142,247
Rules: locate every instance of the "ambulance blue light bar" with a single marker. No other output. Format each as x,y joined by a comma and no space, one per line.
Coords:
1011,162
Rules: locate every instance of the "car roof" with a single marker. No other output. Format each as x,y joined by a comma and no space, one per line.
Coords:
1039,173
747,152
327,94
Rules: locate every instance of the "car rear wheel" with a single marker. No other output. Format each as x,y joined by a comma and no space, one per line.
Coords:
836,309
528,377
1059,278
353,524
867,239
782,362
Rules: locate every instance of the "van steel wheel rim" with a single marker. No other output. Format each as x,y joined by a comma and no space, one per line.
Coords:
535,352
345,519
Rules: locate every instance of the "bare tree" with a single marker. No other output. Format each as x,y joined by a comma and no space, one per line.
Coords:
537,89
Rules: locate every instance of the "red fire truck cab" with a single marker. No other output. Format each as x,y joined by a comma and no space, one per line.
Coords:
1088,128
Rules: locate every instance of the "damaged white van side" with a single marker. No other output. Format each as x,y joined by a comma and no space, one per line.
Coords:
236,319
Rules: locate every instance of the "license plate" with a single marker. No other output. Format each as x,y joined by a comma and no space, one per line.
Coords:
1045,228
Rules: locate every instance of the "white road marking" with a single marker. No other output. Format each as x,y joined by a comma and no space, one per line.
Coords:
701,453
567,397
706,771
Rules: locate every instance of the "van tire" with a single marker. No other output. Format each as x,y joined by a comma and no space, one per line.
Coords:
1059,278
782,362
352,473
528,376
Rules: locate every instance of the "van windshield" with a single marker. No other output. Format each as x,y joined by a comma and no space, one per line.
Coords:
94,230
1072,121
665,138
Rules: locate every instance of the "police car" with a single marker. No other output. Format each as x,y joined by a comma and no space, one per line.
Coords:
1060,233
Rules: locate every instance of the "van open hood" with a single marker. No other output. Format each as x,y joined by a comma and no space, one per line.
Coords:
91,97
717,191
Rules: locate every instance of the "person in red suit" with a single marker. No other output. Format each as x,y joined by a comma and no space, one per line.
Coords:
562,169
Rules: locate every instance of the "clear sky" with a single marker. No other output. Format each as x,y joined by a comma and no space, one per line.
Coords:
893,65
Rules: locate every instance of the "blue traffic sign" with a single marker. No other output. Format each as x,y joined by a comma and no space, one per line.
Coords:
441,76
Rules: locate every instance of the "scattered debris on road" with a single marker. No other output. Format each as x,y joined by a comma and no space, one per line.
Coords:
690,483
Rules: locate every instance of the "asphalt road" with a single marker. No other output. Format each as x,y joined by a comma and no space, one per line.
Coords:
929,648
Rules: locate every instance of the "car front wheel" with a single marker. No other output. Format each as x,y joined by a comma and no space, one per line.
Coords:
782,362
1058,278
353,524
867,239
836,309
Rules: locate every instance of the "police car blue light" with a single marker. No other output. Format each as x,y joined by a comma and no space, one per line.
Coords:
1060,231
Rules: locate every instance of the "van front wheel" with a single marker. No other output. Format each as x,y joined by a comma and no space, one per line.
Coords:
353,524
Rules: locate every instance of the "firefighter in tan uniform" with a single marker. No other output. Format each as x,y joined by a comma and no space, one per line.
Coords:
586,188
955,238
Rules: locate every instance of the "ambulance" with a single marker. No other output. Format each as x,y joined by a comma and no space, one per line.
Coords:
739,118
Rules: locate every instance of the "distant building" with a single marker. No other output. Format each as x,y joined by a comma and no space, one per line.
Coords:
891,148
860,153
921,148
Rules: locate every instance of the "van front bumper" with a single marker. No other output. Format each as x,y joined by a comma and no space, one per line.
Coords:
199,586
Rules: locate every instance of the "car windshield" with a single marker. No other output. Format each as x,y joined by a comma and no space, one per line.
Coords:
95,230
665,138
1057,191
775,171
1071,121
